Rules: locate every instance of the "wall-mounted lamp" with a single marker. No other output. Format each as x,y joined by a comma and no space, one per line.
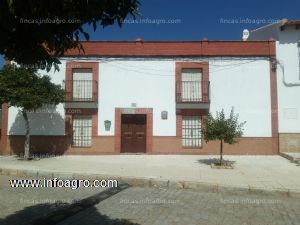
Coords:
107,125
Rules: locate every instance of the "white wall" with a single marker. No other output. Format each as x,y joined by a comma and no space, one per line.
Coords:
246,87
288,56
288,96
244,84
150,83
47,121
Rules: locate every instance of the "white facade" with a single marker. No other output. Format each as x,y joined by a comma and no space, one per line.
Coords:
242,83
288,73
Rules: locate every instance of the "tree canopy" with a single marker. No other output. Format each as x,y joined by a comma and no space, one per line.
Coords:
222,128
36,32
26,89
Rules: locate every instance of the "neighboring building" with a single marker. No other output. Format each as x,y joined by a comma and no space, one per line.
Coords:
287,36
151,97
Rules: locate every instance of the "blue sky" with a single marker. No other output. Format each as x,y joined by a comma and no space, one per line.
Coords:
195,19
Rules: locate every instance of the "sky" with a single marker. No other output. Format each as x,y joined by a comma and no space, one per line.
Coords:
195,19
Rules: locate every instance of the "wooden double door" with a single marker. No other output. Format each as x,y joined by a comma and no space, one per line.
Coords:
133,133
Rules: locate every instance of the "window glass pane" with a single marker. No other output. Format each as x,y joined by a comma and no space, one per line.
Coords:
191,75
191,85
82,84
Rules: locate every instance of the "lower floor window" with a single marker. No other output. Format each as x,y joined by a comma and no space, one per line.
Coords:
191,131
82,131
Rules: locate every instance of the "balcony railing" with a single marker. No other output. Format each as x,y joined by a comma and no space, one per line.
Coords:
81,91
192,91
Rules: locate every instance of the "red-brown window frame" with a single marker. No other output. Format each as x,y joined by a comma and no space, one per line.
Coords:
93,112
203,66
82,65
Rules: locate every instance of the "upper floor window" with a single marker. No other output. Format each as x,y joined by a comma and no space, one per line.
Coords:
191,83
82,84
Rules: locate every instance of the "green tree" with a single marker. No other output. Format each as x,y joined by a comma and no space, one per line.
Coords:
26,89
37,32
226,130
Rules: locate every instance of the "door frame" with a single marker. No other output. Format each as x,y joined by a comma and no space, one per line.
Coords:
149,126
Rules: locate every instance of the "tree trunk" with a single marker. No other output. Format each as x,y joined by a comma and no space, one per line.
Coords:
221,152
27,136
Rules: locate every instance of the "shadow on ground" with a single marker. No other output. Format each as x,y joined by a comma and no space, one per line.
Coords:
32,216
211,161
58,212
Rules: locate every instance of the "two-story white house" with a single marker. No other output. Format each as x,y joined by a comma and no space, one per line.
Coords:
287,36
151,97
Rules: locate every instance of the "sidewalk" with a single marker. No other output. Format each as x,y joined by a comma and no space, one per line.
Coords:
271,173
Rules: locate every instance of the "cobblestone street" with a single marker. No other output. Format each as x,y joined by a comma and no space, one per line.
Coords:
136,205
158,206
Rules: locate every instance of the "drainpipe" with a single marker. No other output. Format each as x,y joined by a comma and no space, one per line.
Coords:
283,76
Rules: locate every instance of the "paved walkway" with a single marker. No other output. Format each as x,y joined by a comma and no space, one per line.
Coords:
257,172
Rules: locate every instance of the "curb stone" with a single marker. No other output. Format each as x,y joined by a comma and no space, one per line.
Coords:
158,183
135,182
290,158
175,184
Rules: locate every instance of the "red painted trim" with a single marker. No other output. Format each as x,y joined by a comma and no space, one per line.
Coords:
68,125
4,119
4,112
69,120
203,66
149,127
179,48
94,112
82,111
82,65
95,124
3,135
274,108
187,112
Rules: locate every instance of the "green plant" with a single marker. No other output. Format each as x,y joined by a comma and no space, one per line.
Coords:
226,130
39,32
26,89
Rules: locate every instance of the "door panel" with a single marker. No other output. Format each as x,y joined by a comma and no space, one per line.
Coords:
133,133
